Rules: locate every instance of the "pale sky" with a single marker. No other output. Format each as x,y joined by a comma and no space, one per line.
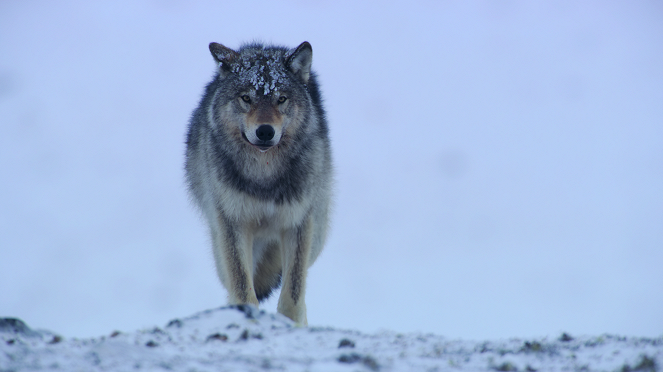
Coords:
499,166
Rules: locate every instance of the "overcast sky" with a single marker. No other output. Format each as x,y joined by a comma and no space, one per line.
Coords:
499,164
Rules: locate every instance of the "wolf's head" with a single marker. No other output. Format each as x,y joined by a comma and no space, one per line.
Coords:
262,96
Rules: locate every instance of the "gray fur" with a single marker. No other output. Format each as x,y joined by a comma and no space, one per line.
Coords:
258,164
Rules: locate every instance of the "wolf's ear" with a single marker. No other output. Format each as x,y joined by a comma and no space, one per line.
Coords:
299,61
223,56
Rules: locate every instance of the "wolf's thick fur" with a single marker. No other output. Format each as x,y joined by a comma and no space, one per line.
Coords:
258,164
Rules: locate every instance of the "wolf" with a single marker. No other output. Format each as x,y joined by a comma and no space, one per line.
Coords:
258,165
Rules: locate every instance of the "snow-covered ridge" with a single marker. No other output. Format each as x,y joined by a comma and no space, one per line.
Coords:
242,338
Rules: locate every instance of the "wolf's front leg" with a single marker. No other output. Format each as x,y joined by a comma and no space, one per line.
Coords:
233,257
295,254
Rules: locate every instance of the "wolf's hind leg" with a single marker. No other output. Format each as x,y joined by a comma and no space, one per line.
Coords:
295,254
267,275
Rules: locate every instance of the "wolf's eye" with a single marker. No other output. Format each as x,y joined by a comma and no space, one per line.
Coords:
282,99
246,98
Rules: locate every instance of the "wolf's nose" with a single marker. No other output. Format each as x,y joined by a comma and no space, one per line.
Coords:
265,132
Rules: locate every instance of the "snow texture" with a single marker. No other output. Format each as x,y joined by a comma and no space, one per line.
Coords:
261,68
243,338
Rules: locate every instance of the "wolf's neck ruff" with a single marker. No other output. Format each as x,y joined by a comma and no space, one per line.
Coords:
286,186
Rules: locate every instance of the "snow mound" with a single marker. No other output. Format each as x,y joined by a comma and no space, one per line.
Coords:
243,338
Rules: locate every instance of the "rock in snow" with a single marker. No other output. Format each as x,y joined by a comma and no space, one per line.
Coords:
243,338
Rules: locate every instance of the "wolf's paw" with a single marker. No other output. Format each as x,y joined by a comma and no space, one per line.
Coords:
251,311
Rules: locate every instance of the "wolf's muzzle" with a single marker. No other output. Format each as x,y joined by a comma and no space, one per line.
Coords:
263,138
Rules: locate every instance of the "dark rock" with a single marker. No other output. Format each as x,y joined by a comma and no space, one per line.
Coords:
532,347
506,367
16,326
157,331
346,343
217,336
565,337
349,358
174,323
367,360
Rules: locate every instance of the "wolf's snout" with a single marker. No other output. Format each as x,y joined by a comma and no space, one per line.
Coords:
265,132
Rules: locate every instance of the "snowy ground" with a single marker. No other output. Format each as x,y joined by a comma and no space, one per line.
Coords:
499,163
226,339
